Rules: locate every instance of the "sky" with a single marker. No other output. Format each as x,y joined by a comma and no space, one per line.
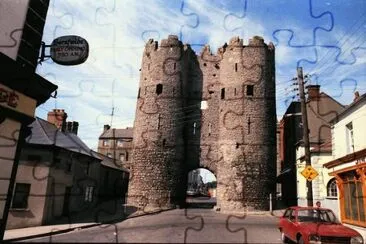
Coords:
326,38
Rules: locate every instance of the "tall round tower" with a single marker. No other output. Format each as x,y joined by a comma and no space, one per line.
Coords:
247,123
158,147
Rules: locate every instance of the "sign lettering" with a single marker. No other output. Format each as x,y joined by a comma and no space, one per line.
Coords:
9,97
69,50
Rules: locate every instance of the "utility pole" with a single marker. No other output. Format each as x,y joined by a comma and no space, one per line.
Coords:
305,129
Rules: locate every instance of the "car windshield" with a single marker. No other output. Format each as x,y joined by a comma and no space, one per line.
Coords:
316,215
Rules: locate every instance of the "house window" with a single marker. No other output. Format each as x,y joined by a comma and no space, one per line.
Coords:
352,199
332,188
250,90
21,194
109,155
89,193
122,157
119,143
159,89
68,166
105,143
349,136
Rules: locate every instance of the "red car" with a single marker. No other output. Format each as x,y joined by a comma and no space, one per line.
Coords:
315,225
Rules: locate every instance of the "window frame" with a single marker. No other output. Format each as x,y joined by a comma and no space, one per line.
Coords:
346,199
89,194
26,198
119,142
332,183
105,143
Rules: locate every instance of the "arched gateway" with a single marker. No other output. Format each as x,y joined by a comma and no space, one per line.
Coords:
212,111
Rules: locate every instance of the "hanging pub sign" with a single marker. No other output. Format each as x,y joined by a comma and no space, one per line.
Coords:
69,50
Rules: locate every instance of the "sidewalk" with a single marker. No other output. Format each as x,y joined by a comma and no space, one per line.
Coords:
106,213
84,220
41,231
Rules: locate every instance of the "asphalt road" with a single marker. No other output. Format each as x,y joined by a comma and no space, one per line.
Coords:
180,226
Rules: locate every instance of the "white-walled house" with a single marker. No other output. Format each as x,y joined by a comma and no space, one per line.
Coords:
348,164
324,186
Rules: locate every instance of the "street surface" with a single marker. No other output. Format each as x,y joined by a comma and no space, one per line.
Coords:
179,226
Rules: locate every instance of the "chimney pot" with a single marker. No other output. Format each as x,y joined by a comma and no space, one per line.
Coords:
75,127
106,127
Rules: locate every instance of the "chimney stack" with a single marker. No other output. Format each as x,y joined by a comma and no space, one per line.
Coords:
106,127
71,127
57,117
313,92
357,96
75,127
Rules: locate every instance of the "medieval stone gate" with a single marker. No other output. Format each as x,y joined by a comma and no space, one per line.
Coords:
212,111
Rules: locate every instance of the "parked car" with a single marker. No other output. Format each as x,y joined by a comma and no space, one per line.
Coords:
192,193
315,225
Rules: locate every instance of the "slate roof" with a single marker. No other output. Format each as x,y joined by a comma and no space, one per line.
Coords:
45,133
118,133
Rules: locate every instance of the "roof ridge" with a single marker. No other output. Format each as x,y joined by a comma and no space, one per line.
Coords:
326,94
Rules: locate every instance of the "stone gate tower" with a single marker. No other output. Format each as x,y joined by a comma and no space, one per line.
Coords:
247,126
158,147
234,136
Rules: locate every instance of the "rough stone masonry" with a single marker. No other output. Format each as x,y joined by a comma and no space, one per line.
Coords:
215,111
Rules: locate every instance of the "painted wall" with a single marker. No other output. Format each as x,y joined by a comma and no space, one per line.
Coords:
13,14
319,183
9,131
358,119
36,174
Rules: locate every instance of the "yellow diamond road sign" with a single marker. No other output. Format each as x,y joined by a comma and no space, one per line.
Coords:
309,173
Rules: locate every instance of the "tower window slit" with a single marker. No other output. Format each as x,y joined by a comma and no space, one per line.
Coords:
236,67
138,94
159,89
159,121
209,129
249,122
175,66
250,90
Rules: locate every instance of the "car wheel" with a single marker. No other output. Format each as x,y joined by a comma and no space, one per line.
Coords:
284,238
301,240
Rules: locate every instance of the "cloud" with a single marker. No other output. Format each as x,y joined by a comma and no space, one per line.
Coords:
117,31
